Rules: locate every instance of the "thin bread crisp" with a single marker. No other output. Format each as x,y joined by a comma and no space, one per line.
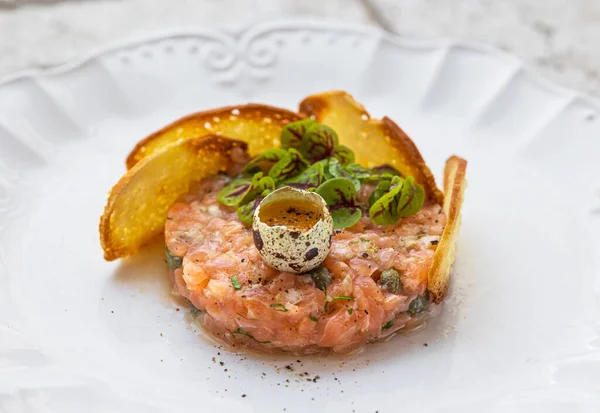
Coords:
454,189
374,142
258,125
137,207
165,164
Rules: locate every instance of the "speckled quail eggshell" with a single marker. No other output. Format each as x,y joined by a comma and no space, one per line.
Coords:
291,250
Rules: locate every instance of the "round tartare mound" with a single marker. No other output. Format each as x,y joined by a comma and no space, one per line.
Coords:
245,302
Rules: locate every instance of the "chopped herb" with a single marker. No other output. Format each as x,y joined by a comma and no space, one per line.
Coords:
173,261
235,282
343,297
326,306
279,307
364,239
389,324
313,318
245,333
350,310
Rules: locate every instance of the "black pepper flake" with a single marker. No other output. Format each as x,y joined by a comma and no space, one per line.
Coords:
243,395
221,363
434,242
365,255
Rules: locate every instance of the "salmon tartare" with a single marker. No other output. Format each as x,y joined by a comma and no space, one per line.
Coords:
304,232
268,309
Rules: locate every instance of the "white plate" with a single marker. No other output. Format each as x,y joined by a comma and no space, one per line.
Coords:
519,333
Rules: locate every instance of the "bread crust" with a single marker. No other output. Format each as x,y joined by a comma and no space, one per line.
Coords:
454,189
254,123
136,210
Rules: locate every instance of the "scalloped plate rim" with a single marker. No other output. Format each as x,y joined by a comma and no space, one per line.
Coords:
315,24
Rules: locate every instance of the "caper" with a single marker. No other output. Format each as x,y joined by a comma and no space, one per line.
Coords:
321,277
390,280
173,261
419,304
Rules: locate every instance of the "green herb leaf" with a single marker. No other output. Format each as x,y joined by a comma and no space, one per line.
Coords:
380,190
313,318
384,211
419,304
386,170
290,165
321,277
173,261
279,307
389,324
361,173
235,282
343,154
340,196
343,297
264,161
350,310
319,142
412,198
258,186
390,280
246,211
293,133
233,193
336,170
245,333
310,178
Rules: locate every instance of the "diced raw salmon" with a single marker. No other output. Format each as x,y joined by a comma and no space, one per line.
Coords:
274,310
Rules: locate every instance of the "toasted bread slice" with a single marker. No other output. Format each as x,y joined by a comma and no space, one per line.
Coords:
259,125
137,206
374,142
454,189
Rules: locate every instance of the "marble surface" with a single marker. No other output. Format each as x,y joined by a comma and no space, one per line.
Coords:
554,37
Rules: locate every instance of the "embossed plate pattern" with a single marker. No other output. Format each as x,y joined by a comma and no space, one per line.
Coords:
520,331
